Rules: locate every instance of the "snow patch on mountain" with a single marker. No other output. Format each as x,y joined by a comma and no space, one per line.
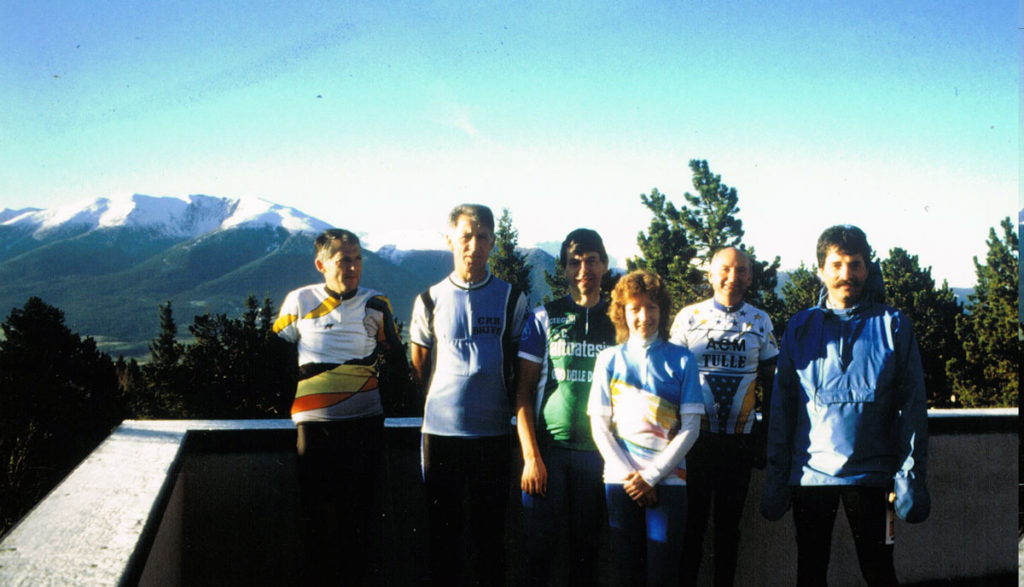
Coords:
385,243
258,213
177,216
8,214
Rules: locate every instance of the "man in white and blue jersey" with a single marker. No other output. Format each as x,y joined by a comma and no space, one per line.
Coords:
735,347
464,333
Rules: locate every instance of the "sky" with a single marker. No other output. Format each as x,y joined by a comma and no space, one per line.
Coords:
899,117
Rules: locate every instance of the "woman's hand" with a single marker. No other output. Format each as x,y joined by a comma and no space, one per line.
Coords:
639,491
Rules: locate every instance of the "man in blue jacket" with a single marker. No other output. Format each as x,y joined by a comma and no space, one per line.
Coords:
848,419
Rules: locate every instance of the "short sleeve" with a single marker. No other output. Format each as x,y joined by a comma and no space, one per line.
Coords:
533,342
421,329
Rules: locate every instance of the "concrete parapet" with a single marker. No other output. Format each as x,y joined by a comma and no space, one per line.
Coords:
216,502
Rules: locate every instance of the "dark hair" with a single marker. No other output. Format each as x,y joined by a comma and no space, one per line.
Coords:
634,284
325,240
579,242
476,212
847,238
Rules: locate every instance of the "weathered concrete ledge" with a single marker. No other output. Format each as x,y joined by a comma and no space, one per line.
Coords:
195,502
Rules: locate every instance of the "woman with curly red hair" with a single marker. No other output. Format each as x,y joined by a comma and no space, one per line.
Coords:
645,408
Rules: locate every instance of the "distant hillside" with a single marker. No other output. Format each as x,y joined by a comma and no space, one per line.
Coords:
110,264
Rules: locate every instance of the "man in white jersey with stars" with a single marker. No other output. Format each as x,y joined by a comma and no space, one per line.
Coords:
735,346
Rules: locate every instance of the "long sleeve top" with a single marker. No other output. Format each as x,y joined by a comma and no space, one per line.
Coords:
645,406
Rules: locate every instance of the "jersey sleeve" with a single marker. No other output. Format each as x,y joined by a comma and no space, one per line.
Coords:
769,345
533,342
421,330
599,408
692,397
387,331
677,333
286,325
519,315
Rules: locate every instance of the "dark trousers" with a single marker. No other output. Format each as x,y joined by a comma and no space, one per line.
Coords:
717,477
467,486
574,499
646,542
814,514
341,478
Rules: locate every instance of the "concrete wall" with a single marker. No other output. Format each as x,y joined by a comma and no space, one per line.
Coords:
214,503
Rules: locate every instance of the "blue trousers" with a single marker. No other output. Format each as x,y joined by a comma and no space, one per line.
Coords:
647,542
574,499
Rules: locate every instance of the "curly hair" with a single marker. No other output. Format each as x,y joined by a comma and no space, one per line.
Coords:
633,285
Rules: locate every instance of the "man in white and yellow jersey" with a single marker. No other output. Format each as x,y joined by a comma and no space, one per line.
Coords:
340,330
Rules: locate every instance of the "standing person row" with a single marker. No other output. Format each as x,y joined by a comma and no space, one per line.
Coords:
340,329
645,407
735,349
464,334
848,422
561,479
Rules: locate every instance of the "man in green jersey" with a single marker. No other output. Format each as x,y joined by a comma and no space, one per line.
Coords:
562,470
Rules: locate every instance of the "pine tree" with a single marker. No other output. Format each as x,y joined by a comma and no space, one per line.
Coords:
164,388
989,373
680,242
799,293
667,250
933,312
58,399
506,262
556,284
710,218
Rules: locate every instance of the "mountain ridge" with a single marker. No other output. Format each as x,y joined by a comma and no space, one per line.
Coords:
110,262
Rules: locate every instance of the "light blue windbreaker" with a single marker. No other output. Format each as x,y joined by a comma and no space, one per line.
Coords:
848,406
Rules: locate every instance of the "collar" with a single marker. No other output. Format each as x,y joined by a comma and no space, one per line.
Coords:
341,296
726,309
600,305
463,284
642,343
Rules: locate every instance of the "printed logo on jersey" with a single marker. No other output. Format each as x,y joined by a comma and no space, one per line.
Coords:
723,388
487,325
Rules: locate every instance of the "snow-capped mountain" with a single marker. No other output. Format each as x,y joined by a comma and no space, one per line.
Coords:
108,263
180,217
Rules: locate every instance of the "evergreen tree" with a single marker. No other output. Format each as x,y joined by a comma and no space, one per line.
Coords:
989,372
710,218
237,367
506,262
556,283
58,400
680,242
131,383
933,313
666,249
162,395
799,293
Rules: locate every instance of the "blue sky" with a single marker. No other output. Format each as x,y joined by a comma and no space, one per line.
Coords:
379,117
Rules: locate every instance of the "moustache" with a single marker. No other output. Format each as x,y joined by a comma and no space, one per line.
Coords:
849,283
